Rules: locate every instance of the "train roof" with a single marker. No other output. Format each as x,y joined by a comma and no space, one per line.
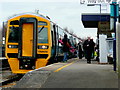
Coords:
39,15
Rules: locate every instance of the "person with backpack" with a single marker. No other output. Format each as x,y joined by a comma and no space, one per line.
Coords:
66,47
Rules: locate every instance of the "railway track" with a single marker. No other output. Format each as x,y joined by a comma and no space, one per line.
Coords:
11,80
4,68
4,64
7,78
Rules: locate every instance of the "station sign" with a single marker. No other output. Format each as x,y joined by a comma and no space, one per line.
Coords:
95,1
114,10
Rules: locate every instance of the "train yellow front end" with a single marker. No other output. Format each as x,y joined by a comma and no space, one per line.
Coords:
28,42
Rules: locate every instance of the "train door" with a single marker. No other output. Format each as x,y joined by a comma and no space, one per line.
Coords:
27,39
27,51
55,40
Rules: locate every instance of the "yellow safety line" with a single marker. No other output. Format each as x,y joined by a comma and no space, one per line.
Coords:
63,67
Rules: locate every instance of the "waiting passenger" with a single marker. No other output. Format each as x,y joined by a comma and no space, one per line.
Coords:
80,52
88,46
60,41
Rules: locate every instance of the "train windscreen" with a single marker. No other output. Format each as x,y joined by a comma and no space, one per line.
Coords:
43,35
13,34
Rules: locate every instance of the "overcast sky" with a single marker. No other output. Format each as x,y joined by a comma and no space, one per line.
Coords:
66,13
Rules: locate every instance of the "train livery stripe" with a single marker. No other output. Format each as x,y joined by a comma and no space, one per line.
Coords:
63,67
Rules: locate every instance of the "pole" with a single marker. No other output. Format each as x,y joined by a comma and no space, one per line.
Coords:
114,14
114,41
100,8
114,45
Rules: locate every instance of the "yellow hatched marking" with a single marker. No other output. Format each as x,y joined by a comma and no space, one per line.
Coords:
63,67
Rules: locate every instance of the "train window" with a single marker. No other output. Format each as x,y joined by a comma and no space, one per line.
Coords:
13,35
60,31
43,35
42,23
15,22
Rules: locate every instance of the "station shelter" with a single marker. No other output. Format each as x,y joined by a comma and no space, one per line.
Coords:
101,21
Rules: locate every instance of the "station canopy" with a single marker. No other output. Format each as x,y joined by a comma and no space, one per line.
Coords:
91,20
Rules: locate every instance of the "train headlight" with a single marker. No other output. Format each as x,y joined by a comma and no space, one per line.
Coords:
12,46
26,65
42,47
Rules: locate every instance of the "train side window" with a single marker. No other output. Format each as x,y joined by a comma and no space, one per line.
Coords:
13,34
60,31
15,22
42,23
43,35
53,41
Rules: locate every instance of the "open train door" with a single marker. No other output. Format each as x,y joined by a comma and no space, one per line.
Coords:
27,42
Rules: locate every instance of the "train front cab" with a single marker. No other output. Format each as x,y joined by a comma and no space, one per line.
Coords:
28,43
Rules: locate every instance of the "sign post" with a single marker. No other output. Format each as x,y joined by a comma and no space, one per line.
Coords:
114,13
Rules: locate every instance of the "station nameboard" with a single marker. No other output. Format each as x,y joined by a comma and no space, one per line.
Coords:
95,1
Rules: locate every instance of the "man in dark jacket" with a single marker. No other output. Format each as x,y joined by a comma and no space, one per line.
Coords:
66,46
88,46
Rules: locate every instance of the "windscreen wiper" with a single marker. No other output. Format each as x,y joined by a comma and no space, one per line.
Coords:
41,29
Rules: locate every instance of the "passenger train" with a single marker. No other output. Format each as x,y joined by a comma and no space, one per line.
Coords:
32,42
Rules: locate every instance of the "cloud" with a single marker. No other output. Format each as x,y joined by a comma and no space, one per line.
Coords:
39,1
65,14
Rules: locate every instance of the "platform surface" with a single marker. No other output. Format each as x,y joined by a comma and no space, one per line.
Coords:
75,73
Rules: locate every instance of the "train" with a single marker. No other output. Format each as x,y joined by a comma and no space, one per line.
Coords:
32,41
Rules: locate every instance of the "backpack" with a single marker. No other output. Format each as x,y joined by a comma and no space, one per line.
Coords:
68,45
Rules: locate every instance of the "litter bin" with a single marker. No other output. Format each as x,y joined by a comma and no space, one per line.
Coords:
110,59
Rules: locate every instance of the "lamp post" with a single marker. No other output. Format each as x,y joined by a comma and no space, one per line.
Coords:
97,32
100,14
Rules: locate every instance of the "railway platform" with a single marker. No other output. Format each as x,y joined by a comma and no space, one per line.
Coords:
75,73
